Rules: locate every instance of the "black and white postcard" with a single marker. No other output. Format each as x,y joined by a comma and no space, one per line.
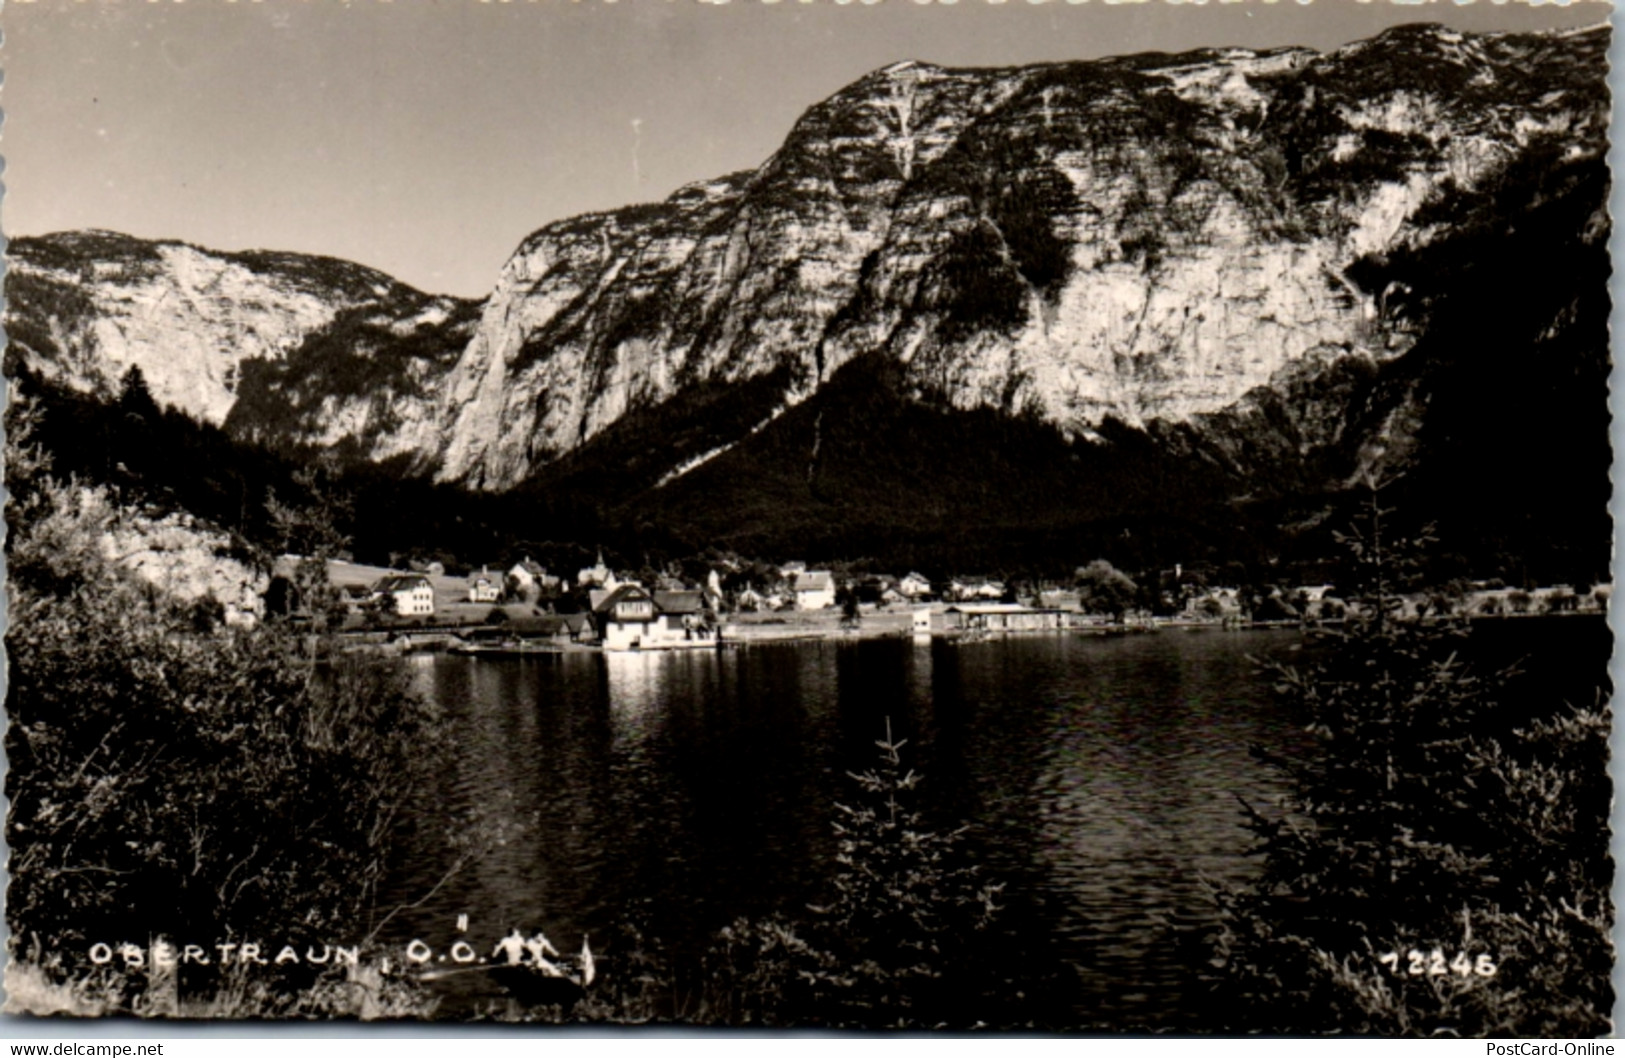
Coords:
1010,517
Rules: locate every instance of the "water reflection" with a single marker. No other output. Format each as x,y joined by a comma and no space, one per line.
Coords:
633,682
683,789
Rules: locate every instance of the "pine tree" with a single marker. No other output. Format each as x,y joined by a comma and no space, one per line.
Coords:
135,397
895,946
903,891
1424,818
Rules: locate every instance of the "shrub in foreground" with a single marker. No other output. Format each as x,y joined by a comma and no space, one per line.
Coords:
1439,865
170,779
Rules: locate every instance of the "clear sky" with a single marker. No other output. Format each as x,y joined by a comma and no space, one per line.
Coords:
427,139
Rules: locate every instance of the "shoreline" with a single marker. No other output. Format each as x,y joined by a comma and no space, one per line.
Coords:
744,630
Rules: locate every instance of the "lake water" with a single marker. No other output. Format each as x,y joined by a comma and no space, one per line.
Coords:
678,791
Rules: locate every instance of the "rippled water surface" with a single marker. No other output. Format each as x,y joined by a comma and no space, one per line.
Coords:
682,790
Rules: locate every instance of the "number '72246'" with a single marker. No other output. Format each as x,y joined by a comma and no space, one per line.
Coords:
1416,963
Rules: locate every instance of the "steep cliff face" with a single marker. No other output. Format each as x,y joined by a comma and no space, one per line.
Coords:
1148,239
85,307
366,384
729,280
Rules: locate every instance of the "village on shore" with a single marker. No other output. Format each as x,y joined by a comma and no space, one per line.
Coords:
525,609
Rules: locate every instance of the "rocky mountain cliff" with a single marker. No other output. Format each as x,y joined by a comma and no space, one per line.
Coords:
85,307
1149,238
1263,264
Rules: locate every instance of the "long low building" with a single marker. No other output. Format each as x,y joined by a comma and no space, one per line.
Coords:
988,617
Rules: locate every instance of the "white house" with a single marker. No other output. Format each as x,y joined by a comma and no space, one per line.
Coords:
484,586
414,595
631,617
815,589
528,578
915,586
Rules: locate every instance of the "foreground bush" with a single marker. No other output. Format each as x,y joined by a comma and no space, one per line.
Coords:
1439,865
172,778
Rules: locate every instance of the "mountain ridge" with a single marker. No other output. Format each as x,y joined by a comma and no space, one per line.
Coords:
1248,260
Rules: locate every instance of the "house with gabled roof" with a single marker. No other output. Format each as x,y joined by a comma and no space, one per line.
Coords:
484,586
915,586
630,617
815,589
413,594
530,580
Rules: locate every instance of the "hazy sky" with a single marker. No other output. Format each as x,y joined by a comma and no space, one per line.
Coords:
427,139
